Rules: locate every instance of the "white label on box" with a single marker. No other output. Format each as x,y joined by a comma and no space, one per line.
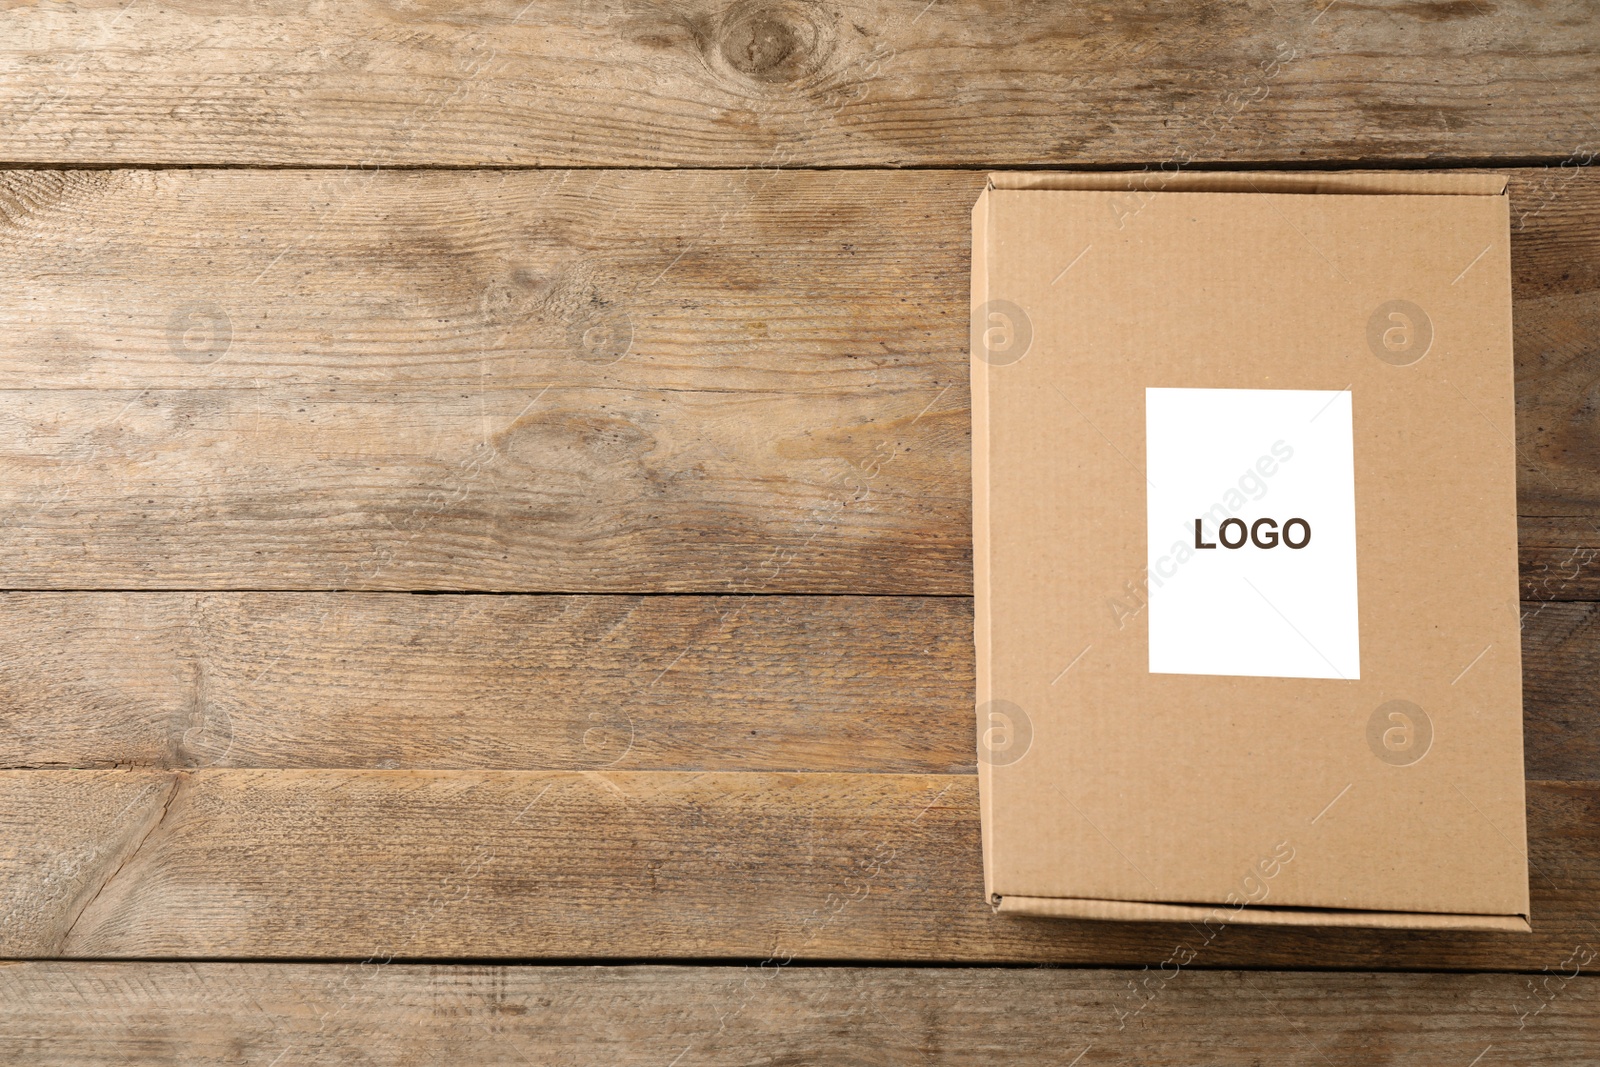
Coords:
1266,584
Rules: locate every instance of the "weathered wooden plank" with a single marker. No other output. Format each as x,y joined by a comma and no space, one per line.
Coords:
200,1015
549,382
781,82
566,382
1560,679
64,842
385,680
1559,556
592,864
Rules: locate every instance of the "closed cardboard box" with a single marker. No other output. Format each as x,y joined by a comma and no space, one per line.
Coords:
1245,549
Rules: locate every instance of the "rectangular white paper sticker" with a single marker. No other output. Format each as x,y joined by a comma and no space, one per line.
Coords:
1266,586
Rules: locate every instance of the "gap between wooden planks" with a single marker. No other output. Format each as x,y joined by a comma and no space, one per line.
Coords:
769,83
576,381
209,1014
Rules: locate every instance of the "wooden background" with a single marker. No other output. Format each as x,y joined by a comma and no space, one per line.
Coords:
484,527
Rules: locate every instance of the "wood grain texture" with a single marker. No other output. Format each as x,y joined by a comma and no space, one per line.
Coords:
209,1014
642,683
574,381
385,680
549,382
1560,665
1559,559
594,865
768,82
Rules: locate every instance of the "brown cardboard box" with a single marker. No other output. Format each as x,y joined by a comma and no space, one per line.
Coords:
1316,719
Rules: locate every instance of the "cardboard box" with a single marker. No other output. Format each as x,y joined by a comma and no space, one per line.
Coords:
1307,709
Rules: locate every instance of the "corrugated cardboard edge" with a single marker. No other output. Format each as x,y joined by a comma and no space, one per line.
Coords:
1422,183
1349,182
1508,363
1139,911
980,517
